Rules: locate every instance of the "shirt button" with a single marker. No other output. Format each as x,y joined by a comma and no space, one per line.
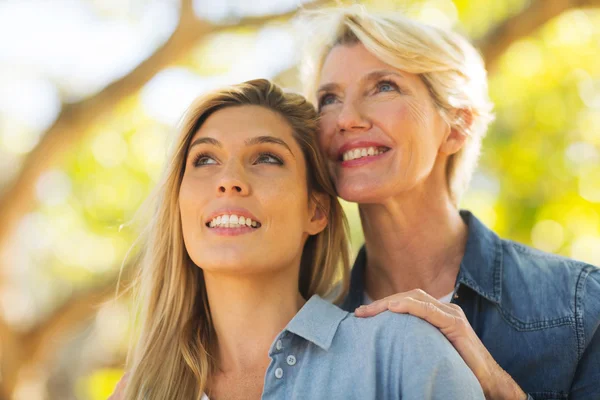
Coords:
279,345
278,373
291,360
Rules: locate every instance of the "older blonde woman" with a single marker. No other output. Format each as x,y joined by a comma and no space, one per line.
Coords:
247,234
403,109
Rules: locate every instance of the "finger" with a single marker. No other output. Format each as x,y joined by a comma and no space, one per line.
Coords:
428,311
423,296
371,309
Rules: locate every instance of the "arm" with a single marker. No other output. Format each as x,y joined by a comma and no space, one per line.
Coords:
586,383
452,322
432,369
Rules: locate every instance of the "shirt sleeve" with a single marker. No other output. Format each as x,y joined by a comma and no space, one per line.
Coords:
586,383
432,368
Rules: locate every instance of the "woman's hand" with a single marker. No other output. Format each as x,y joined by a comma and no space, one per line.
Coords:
119,393
452,322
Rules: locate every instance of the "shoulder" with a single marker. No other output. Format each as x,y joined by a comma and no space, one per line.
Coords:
390,329
543,287
529,266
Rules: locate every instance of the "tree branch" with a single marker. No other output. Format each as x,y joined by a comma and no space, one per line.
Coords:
495,43
37,345
74,119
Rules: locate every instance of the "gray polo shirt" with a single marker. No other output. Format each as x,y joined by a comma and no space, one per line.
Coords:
327,353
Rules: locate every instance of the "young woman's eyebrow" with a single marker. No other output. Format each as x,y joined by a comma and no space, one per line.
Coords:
268,139
206,140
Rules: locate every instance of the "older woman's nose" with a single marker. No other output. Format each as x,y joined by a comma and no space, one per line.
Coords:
351,118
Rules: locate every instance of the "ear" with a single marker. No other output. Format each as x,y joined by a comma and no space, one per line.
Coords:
457,135
318,211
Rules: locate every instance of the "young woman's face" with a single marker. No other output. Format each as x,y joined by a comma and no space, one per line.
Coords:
379,128
243,199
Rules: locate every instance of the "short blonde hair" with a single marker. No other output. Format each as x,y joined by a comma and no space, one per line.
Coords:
449,66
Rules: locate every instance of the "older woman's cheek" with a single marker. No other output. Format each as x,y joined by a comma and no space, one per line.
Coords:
417,112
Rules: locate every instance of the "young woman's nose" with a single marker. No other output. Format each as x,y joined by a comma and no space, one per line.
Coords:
351,118
232,182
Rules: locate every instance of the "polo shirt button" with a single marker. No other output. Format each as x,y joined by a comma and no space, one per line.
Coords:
278,373
279,344
291,360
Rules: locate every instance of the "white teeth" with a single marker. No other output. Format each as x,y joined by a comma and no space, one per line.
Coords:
361,152
232,221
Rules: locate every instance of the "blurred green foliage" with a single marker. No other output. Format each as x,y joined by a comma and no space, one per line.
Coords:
538,180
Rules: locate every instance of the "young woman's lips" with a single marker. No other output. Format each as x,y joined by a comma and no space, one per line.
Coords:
232,231
232,222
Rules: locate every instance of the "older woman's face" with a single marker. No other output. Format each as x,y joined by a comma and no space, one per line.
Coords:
243,199
379,129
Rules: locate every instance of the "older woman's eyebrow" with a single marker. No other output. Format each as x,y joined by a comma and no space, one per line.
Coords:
328,87
206,140
380,73
371,76
268,139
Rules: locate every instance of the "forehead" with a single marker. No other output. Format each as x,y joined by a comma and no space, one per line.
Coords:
348,63
237,123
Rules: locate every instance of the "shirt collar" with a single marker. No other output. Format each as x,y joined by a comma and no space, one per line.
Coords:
481,266
317,321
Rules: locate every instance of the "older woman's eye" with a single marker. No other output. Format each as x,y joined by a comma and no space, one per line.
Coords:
326,100
387,86
268,158
203,159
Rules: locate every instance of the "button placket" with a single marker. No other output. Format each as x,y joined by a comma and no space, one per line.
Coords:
291,360
278,373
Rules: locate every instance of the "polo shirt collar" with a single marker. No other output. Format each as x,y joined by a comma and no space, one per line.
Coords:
317,321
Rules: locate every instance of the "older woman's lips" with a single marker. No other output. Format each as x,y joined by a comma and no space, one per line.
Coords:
361,156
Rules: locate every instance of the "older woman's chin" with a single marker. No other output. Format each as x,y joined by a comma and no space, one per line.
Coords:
362,192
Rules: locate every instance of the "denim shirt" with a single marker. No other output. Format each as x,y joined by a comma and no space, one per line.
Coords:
327,353
538,314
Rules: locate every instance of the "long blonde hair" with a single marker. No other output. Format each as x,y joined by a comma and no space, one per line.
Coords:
447,63
171,359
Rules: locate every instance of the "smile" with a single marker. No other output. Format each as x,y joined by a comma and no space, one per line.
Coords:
362,152
232,221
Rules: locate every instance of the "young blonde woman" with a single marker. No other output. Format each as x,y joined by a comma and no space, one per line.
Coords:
246,236
403,109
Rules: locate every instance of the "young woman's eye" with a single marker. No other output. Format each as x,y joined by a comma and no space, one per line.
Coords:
326,100
203,159
386,86
268,158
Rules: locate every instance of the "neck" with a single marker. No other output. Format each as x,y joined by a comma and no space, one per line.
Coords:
414,241
248,312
